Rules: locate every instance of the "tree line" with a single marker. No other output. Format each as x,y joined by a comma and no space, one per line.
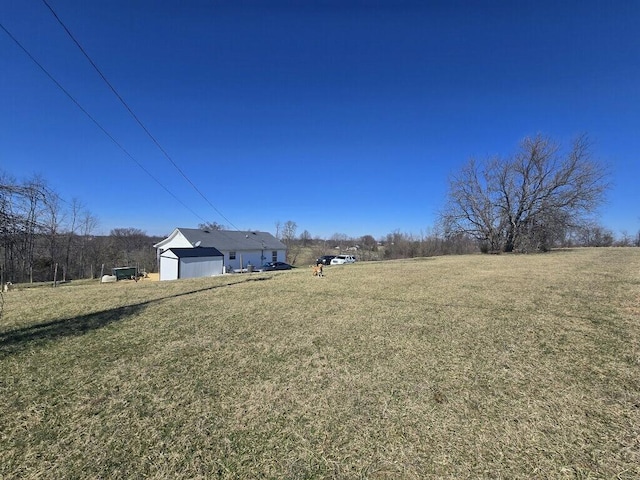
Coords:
44,237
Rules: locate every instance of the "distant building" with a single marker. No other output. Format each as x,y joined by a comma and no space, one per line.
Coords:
190,252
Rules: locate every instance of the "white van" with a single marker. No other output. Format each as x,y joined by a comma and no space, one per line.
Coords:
342,259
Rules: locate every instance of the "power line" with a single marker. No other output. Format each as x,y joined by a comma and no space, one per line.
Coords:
66,92
135,117
34,60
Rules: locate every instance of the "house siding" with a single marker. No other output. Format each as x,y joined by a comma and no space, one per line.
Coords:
256,258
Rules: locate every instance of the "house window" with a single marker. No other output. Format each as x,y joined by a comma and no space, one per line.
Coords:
274,256
232,255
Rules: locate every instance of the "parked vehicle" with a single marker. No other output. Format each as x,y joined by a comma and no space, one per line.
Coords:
267,267
325,259
343,259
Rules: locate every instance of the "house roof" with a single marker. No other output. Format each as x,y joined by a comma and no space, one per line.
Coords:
196,252
229,240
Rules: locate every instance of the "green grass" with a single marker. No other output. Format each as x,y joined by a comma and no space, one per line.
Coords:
509,366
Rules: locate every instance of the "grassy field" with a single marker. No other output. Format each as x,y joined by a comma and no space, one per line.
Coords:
508,366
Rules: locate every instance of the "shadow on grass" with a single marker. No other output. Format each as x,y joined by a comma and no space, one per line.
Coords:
13,341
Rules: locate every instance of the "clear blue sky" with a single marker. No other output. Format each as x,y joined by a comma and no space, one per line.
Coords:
344,117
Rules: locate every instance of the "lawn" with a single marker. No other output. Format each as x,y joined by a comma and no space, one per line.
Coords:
482,366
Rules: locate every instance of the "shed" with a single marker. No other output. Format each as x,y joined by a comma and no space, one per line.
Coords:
195,262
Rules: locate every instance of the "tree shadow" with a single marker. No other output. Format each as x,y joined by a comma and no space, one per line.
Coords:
21,338
14,341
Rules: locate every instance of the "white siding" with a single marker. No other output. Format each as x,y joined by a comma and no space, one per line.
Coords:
252,257
179,241
195,267
168,266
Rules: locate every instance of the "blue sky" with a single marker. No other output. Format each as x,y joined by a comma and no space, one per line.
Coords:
344,117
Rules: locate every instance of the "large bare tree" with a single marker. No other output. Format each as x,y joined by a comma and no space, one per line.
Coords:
528,200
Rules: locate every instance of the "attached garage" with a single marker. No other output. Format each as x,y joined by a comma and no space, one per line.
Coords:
196,262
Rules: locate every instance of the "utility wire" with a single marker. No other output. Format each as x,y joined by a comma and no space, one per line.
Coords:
135,117
95,121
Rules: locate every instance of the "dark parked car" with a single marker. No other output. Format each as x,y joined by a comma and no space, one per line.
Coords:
325,259
267,267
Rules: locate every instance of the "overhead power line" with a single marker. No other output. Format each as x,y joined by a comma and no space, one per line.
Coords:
111,137
135,117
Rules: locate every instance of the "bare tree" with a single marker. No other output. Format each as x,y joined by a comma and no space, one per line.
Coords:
37,231
305,238
625,239
8,225
33,201
368,246
22,223
525,202
88,223
339,240
288,237
289,232
78,217
52,229
591,234
210,226
401,245
131,246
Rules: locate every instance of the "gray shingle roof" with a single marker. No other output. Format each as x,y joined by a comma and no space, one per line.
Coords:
196,252
230,240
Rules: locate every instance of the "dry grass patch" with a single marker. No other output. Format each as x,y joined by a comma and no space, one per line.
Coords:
462,367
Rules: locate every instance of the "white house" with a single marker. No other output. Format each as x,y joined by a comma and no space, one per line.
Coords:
190,263
238,249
